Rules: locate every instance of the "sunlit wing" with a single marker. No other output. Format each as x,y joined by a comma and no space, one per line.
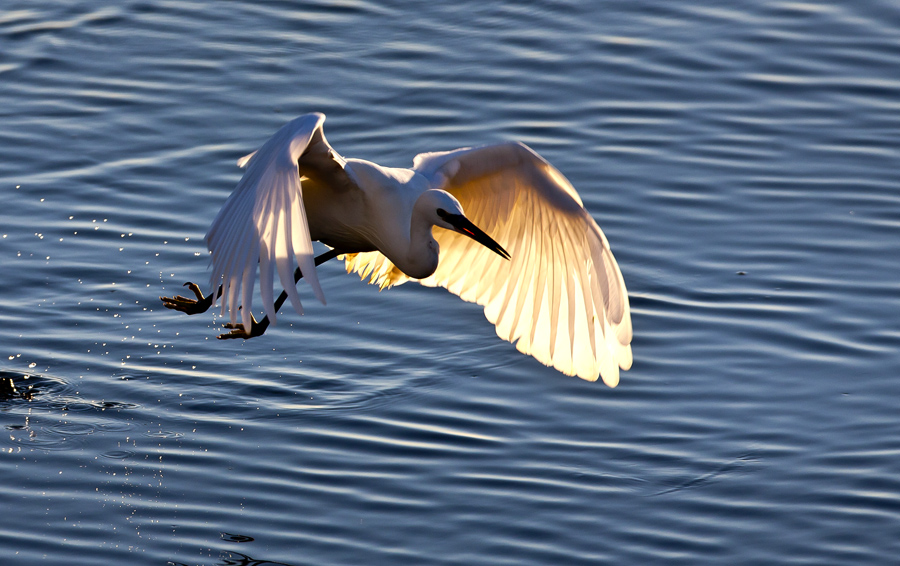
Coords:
263,222
561,295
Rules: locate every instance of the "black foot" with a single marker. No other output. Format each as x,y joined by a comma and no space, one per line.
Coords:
237,329
189,306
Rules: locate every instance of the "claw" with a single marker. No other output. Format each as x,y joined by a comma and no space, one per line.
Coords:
186,305
195,288
237,329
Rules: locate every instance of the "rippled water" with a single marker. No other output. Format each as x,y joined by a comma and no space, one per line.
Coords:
741,157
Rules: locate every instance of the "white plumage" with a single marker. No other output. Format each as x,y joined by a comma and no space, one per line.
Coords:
560,296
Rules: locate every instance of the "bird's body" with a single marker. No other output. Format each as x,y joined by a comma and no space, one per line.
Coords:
376,215
558,292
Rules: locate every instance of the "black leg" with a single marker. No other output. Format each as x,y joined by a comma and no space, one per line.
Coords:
202,304
259,328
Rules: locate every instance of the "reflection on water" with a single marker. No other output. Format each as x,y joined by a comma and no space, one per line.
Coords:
231,537
23,386
229,558
741,464
9,391
47,414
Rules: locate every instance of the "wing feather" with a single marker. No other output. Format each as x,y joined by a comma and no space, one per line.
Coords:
264,222
376,267
561,297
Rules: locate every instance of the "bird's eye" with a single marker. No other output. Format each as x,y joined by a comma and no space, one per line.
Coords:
442,213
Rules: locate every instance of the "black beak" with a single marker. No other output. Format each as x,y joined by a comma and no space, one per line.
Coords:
464,226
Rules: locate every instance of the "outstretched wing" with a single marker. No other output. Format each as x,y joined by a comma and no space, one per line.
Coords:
264,222
561,295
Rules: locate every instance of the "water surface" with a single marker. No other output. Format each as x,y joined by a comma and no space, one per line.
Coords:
741,158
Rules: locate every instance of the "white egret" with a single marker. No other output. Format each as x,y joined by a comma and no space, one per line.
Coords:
558,293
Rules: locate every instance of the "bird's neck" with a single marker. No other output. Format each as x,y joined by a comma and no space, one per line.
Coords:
396,194
424,251
416,252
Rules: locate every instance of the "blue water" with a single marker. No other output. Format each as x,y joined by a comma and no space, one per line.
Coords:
742,159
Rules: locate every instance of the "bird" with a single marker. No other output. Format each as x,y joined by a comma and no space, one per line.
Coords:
557,294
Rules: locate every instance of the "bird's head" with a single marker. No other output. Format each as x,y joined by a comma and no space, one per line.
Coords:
448,214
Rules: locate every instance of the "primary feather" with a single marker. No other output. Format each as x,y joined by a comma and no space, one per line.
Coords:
264,222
